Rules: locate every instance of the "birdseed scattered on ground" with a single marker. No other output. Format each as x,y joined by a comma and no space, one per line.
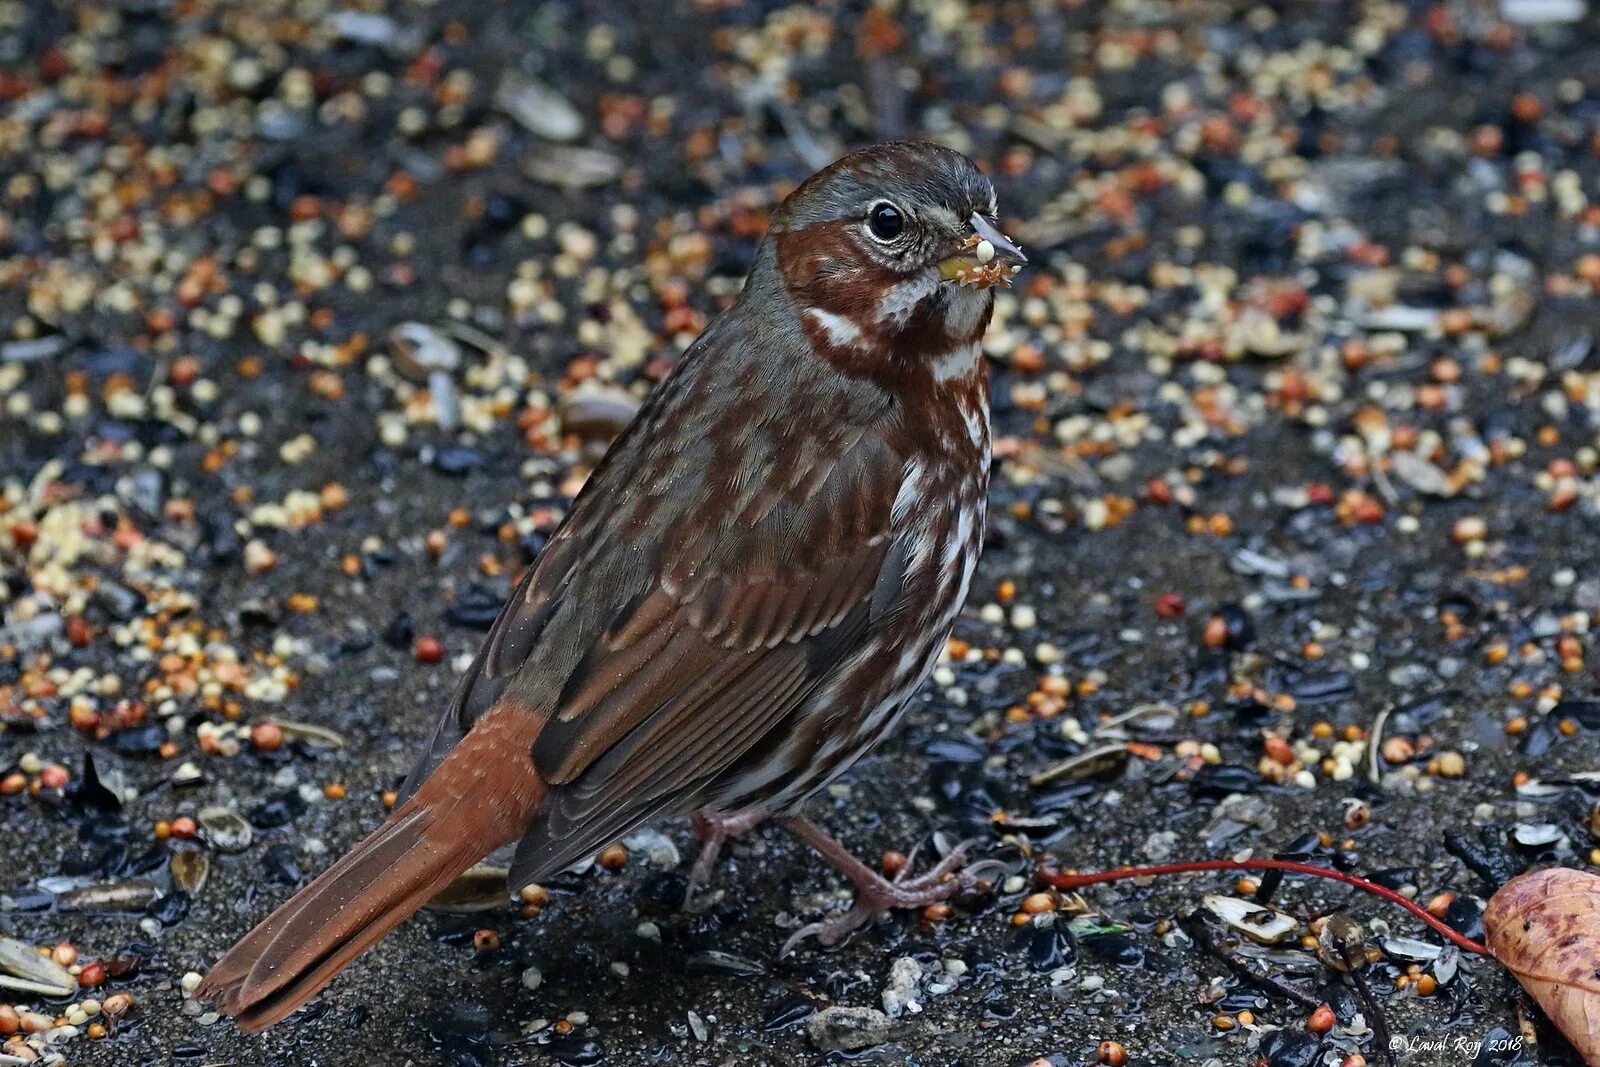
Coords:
314,317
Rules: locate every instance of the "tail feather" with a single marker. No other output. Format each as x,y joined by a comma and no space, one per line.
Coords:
482,796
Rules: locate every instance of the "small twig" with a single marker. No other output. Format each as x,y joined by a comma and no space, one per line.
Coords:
1062,880
1207,938
1374,1014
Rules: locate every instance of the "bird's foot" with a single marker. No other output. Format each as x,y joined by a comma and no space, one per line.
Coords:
950,877
714,830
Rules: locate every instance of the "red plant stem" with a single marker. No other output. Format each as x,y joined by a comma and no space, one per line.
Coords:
1062,880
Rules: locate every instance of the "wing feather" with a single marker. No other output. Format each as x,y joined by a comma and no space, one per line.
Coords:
680,747
682,612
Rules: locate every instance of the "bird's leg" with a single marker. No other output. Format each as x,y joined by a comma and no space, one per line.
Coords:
714,830
874,892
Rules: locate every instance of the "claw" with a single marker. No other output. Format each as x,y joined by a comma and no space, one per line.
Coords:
828,932
874,892
941,882
904,873
808,930
954,858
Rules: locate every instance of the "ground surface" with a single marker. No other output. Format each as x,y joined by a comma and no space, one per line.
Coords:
1296,426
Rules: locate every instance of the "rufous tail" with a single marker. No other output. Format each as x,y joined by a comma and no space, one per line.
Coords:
483,795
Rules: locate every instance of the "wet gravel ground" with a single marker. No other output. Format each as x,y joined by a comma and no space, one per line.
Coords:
1296,457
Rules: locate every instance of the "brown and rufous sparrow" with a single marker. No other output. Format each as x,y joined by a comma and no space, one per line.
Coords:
745,594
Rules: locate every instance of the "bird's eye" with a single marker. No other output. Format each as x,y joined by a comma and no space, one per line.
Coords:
885,221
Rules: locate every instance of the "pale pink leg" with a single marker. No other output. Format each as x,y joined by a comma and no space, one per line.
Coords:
714,830
874,892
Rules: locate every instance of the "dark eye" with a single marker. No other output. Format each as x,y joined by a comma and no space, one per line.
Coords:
885,221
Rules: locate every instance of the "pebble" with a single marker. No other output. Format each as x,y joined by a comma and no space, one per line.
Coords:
901,994
845,1029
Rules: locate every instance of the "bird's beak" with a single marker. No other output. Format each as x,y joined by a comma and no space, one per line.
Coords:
987,257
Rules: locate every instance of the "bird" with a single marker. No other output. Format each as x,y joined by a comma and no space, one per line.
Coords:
740,601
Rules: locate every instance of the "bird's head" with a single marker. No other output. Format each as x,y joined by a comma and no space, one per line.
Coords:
891,253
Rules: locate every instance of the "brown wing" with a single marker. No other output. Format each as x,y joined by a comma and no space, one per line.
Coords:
718,568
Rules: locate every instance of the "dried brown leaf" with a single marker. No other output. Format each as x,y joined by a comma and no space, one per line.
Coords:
1545,928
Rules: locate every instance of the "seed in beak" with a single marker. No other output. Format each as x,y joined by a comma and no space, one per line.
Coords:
984,252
